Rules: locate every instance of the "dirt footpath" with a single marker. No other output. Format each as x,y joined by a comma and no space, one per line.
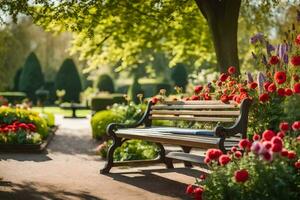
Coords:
70,170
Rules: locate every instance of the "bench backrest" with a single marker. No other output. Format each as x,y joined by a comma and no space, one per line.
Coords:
201,111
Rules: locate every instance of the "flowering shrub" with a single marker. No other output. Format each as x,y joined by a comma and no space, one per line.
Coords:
266,167
20,126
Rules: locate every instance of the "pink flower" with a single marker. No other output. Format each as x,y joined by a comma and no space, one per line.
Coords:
267,145
244,144
256,137
256,147
238,154
281,134
231,70
224,159
296,126
284,126
267,155
233,149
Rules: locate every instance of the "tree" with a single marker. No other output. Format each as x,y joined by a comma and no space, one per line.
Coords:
31,78
105,83
68,79
127,29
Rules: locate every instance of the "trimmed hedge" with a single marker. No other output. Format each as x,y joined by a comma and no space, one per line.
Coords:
13,97
180,76
101,102
31,78
67,78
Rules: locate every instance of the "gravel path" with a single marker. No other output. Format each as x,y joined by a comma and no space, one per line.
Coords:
70,170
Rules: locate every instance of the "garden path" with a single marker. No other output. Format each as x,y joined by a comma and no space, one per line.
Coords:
70,170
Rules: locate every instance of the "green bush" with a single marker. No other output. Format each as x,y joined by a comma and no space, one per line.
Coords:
68,79
101,120
180,76
105,84
102,101
11,115
49,117
13,97
17,79
31,78
134,90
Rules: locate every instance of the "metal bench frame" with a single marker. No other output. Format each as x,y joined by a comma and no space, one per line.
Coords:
222,134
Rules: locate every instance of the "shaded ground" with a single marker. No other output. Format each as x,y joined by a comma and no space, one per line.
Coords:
70,170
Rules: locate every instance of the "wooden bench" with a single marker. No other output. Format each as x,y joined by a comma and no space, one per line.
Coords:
221,137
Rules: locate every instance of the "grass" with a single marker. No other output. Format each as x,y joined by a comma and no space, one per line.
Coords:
58,110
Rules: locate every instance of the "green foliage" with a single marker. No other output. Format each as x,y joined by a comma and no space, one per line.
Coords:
102,101
180,76
10,115
68,79
49,117
31,78
101,120
106,84
134,90
17,79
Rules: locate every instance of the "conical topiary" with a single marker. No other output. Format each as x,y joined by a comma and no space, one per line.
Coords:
67,78
31,78
17,79
105,83
180,76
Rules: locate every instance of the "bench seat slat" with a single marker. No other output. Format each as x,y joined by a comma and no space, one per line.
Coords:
192,118
198,113
193,107
211,102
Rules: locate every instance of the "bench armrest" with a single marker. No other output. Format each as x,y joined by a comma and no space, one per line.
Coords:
143,121
240,126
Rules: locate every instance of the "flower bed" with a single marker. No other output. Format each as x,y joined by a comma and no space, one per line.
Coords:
266,167
23,130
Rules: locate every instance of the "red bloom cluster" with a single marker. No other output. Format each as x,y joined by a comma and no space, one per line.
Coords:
196,191
16,126
295,60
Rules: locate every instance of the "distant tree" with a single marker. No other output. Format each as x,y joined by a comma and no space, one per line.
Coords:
17,79
31,78
134,90
180,76
68,79
105,83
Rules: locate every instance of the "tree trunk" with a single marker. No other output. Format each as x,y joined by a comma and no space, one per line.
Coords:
222,17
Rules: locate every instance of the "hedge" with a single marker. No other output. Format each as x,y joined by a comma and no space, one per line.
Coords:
101,102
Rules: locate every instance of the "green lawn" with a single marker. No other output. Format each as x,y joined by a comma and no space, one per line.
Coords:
57,110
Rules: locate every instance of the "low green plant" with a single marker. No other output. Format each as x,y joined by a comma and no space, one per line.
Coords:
105,83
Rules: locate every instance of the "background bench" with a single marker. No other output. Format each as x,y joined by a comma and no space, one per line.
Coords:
191,112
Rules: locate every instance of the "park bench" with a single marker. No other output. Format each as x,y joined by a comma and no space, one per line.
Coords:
221,137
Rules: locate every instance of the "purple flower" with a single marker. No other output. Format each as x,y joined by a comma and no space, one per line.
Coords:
260,80
259,37
286,59
249,77
269,48
282,50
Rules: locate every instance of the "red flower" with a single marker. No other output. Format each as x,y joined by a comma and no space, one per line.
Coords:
284,153
274,60
233,149
207,96
189,189
23,126
154,100
297,164
32,127
266,85
297,88
281,92
264,97
252,85
296,126
207,160
272,88
238,154
256,137
284,126
244,144
268,135
295,60
296,77
288,92
231,70
281,134
195,97
213,154
224,159
268,156
202,177
267,144
198,89
224,98
276,147
223,77
280,77
297,40
198,193
291,155
241,175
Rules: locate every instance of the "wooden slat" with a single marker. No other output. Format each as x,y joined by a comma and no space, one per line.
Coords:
211,102
186,157
191,118
199,113
193,107
181,140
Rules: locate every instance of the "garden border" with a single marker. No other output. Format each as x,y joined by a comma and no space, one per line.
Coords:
29,148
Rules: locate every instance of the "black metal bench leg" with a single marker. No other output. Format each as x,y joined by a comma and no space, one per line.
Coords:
187,150
117,142
162,156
